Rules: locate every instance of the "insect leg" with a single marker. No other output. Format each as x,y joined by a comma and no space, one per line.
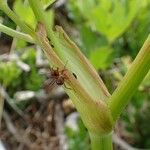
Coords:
49,84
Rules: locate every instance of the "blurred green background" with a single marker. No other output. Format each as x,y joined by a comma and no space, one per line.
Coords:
110,33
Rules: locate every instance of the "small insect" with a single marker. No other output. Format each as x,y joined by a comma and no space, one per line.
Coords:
56,78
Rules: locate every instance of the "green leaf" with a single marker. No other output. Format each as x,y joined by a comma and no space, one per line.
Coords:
20,44
25,12
101,58
91,40
34,80
9,72
29,57
112,20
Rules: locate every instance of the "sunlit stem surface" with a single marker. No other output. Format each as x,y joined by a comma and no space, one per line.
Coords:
101,142
136,73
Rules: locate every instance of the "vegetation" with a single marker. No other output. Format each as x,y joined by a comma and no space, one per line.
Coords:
111,33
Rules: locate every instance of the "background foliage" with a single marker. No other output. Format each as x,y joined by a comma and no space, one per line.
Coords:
110,33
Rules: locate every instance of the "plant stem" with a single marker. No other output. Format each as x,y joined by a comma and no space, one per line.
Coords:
5,8
101,142
131,81
16,34
38,9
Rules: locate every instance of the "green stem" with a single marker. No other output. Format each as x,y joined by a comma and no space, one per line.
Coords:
41,16
38,9
131,81
16,34
101,142
5,8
